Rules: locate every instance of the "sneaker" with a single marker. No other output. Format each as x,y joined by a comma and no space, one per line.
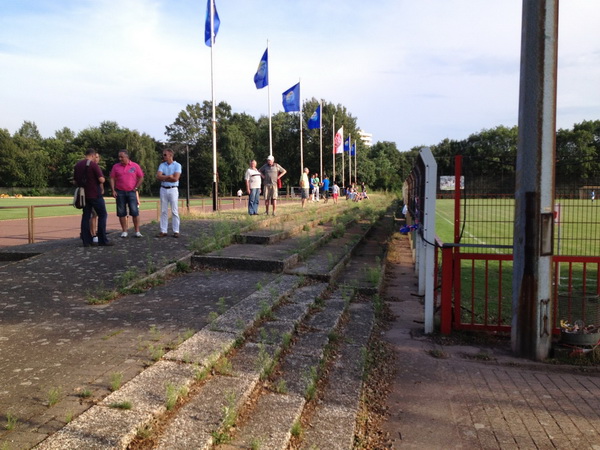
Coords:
161,235
175,235
95,239
124,234
273,213
138,234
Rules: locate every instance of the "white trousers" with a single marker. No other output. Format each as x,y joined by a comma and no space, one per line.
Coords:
169,197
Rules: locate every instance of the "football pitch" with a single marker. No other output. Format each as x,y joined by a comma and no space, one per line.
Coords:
486,281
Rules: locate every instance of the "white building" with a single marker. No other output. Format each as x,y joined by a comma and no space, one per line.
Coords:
366,138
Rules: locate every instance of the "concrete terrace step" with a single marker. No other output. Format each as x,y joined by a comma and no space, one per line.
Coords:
273,258
104,426
283,309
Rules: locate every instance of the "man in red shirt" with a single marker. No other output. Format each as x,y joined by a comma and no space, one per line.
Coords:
125,179
88,175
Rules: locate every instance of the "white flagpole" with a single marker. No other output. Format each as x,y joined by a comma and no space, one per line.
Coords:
350,158
214,113
334,149
343,163
301,148
269,95
355,156
321,136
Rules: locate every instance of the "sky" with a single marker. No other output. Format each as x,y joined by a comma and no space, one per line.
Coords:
412,72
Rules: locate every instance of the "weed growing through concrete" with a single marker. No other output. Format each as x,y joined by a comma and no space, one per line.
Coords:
182,267
259,286
297,429
121,405
53,396
281,386
100,297
222,436
127,277
86,393
265,311
156,351
437,354
264,362
173,394
200,373
11,421
255,444
69,417
312,377
221,305
378,305
115,381
286,340
223,366
144,432
373,274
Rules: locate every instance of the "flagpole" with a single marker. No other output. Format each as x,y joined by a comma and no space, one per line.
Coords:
214,113
321,137
334,149
350,158
269,95
343,163
301,147
355,157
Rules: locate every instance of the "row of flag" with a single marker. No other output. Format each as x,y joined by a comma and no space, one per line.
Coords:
291,97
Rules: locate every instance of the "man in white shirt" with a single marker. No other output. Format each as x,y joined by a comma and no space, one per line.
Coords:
168,174
253,180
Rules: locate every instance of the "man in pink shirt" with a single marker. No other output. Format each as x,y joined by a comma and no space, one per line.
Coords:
125,179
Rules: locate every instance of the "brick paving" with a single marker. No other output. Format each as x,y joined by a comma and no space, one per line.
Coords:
465,401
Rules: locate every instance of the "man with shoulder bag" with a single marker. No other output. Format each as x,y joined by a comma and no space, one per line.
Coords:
88,175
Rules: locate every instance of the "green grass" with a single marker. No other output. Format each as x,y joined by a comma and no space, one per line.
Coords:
16,208
490,221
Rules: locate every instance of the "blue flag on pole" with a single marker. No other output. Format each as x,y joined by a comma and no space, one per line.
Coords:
353,151
347,144
261,77
291,99
216,22
315,119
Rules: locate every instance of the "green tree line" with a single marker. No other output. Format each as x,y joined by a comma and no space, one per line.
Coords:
27,160
489,156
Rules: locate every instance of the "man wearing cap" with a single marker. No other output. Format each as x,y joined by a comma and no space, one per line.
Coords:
271,172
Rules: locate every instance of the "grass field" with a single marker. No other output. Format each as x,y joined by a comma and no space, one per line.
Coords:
486,284
16,208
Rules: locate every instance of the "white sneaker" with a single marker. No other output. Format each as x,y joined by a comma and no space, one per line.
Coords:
124,234
95,239
138,234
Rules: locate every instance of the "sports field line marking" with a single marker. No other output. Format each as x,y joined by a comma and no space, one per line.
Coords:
475,238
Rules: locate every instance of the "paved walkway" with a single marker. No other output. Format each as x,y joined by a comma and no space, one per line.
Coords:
472,397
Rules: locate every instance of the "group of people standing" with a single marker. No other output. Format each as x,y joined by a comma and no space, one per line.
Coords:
126,177
268,176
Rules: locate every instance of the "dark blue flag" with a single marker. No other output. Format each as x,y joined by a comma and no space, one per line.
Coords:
315,119
291,99
261,77
353,151
347,144
216,23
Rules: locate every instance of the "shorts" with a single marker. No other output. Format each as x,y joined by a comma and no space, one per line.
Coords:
335,196
270,192
127,200
303,193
